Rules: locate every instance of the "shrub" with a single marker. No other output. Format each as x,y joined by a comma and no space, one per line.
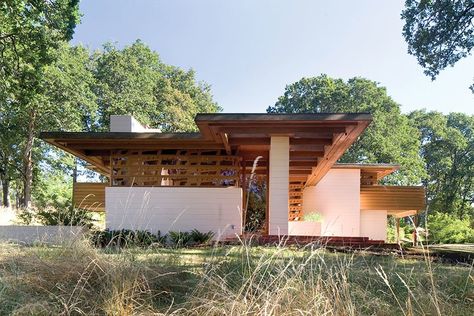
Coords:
126,238
180,239
142,238
201,238
446,228
312,217
50,216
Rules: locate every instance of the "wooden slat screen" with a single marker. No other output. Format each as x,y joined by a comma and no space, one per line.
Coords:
392,197
170,167
295,202
90,196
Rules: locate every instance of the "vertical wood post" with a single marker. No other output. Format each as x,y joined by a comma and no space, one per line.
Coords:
267,200
244,195
397,223
415,235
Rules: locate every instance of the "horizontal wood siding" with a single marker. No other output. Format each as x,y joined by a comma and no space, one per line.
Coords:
392,198
90,196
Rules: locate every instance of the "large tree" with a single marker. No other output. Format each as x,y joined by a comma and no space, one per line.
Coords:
30,33
389,139
62,100
134,80
439,32
448,151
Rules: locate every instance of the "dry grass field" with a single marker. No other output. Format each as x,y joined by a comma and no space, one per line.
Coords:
78,279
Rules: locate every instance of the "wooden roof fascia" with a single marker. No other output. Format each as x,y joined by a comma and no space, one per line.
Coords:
145,146
281,129
341,143
210,117
380,169
120,135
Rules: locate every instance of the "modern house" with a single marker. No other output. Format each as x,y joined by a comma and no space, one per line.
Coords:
184,181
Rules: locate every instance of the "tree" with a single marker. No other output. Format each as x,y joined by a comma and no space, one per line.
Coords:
135,81
30,33
439,32
389,139
447,147
62,101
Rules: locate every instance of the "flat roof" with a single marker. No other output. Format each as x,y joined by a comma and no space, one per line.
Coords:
283,117
316,140
381,169
120,135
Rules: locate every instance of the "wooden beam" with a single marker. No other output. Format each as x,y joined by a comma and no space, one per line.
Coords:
281,130
308,163
141,146
236,141
306,154
311,141
341,143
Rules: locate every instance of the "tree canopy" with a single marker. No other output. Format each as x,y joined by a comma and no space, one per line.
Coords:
439,32
135,81
447,147
389,139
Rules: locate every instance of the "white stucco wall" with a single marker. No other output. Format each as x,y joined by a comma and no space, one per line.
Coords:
302,228
373,224
337,198
41,234
175,209
279,172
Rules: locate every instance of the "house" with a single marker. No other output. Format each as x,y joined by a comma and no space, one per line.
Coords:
184,181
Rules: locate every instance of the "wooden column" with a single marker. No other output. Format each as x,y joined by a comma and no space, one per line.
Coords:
415,223
244,195
397,223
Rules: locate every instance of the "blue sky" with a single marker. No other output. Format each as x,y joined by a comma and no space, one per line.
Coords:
248,50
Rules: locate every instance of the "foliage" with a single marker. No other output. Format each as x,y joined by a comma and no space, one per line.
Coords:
256,207
31,33
448,151
126,238
180,239
142,238
389,139
135,81
439,32
50,216
312,217
447,228
201,238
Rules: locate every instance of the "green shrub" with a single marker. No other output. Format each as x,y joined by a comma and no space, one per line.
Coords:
312,217
201,238
446,228
52,217
142,238
180,239
126,238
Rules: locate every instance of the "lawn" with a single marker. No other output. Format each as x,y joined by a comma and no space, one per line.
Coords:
233,280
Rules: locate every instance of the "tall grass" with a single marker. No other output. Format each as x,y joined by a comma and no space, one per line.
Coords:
77,279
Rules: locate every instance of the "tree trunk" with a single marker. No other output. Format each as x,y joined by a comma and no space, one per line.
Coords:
28,161
6,192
